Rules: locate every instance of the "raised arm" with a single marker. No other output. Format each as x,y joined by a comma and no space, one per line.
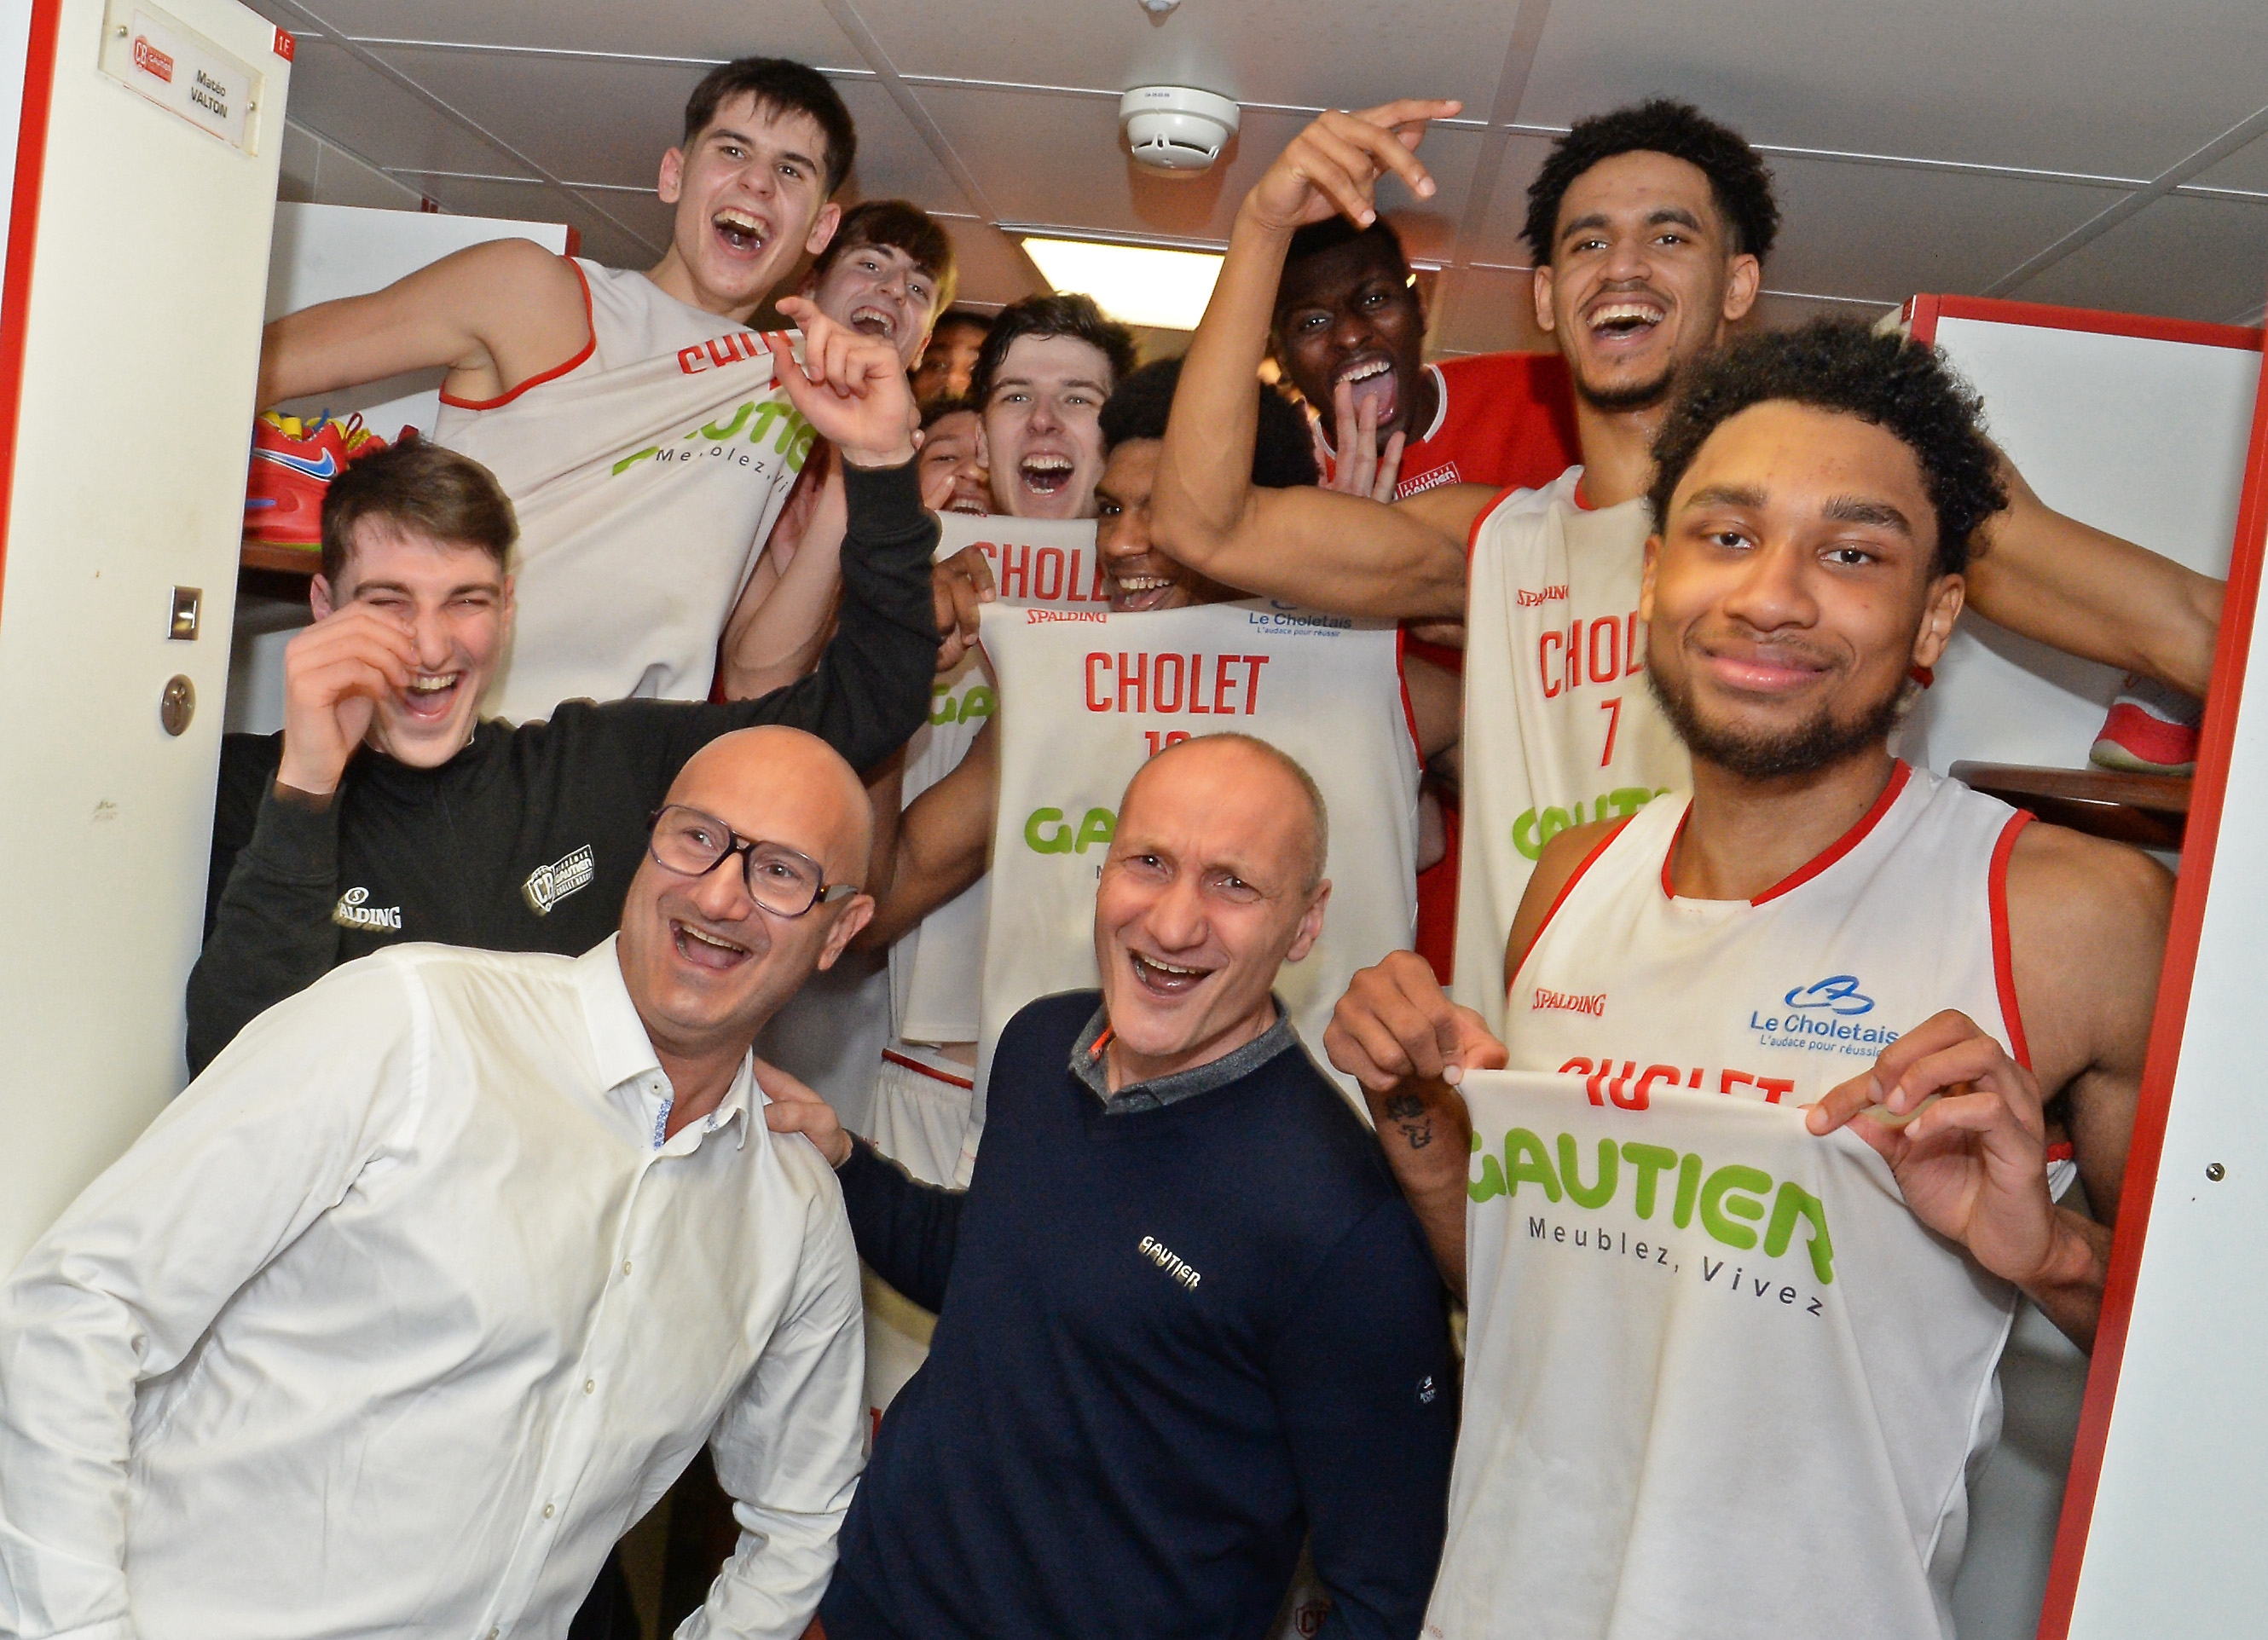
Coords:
493,315
2086,592
780,625
1344,553
944,843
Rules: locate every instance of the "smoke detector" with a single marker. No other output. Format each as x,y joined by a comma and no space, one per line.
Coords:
1175,127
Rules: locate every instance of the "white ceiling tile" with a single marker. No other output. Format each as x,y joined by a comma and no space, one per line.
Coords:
1058,159
1885,233
601,240
2100,86
993,271
706,29
347,102
1487,311
1276,51
2247,168
2181,258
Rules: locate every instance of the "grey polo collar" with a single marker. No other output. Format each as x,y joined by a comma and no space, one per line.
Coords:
1088,1064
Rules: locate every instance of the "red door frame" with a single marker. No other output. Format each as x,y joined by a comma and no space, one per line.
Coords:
2203,834
23,241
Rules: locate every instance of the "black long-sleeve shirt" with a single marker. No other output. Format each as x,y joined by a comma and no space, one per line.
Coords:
1169,1341
528,839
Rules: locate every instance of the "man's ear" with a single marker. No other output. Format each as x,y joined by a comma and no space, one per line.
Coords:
822,227
857,912
1645,581
1540,288
510,607
673,176
319,597
1947,594
1743,279
1311,924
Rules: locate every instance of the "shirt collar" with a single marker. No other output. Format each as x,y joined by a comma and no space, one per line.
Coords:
1087,1063
621,1053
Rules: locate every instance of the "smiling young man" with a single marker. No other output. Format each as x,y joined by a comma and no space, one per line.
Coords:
1819,491
631,416
1649,225
1181,1321
949,366
389,810
1048,363
427,1289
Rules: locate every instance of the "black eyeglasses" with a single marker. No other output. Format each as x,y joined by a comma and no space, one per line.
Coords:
781,880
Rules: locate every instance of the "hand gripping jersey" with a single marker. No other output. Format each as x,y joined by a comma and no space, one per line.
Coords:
1086,697
1560,728
647,472
1719,1380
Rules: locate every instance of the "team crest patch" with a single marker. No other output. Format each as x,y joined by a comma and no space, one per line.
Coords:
547,885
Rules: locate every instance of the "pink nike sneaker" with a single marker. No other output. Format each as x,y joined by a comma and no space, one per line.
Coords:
2152,730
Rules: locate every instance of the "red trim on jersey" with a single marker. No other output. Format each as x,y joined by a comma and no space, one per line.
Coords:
2004,971
1473,535
1922,313
39,63
556,371
1582,502
906,1063
1899,774
1560,899
2200,842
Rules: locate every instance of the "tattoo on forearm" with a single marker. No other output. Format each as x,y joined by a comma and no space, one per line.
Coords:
1408,1112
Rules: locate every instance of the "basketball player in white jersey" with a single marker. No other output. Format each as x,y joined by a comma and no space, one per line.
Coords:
1819,925
1648,225
631,416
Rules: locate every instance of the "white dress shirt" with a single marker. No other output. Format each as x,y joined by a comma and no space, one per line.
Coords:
400,1316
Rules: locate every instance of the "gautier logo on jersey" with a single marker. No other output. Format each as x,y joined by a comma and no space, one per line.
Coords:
1728,1200
1139,681
1049,831
353,911
1537,826
790,436
977,701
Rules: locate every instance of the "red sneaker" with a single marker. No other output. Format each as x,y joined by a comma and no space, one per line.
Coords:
292,466
2152,730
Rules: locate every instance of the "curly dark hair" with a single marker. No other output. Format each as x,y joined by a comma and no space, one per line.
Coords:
1740,183
936,410
1070,313
1903,386
1283,450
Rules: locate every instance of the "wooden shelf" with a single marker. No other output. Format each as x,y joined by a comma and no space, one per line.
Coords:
299,561
2146,810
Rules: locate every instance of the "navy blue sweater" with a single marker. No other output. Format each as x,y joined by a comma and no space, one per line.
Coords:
1169,1342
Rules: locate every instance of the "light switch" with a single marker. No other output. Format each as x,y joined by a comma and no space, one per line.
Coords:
188,600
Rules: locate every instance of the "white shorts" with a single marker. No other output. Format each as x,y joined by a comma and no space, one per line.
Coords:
919,1117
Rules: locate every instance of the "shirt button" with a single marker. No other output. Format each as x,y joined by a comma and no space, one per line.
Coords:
548,1512
626,1266
493,1633
590,1386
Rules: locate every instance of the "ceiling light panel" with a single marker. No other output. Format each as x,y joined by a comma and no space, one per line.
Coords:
1135,284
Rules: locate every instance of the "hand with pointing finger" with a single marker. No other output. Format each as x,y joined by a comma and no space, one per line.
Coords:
851,387
1335,165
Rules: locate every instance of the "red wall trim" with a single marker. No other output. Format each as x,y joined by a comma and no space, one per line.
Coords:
1922,313
23,241
2198,844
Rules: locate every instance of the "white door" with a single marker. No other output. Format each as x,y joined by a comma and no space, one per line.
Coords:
129,336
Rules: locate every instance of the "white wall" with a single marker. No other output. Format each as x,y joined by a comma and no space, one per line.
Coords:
130,472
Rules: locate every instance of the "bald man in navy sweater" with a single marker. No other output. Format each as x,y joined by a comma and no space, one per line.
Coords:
1185,1318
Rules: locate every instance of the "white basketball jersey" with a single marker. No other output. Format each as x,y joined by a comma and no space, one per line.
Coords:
646,473
1719,1380
1087,697
1780,997
1560,728
937,969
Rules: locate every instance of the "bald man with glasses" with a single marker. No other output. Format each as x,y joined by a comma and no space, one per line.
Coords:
430,1285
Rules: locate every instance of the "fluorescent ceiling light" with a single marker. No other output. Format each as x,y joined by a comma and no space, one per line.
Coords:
1135,284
